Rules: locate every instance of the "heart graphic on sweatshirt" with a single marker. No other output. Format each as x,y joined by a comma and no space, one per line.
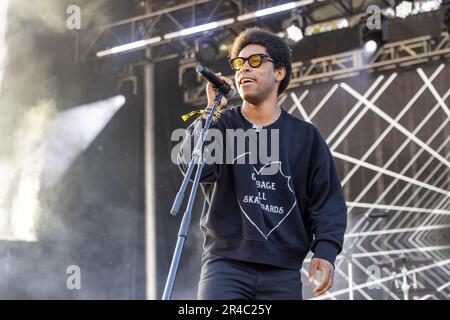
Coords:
267,199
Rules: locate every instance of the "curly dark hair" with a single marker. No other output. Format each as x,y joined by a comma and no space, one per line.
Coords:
275,46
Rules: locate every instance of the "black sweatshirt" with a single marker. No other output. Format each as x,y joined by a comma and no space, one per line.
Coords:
272,219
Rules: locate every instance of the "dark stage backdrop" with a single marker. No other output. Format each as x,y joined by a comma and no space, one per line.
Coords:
389,137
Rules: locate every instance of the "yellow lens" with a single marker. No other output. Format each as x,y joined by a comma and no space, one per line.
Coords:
237,64
254,61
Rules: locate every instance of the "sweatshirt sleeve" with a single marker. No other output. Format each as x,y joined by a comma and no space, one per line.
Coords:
212,170
326,205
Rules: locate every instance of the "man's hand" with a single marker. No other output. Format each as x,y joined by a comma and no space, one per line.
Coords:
211,92
327,271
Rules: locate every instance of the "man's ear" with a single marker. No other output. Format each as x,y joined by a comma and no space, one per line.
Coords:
280,73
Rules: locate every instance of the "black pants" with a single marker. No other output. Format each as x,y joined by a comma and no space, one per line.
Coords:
226,279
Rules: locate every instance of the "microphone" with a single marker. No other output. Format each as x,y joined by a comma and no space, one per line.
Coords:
220,85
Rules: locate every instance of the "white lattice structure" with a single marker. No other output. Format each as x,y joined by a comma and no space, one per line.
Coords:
415,191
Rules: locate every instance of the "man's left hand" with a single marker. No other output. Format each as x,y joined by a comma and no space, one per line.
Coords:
327,271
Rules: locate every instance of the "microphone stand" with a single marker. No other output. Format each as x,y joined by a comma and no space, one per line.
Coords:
197,158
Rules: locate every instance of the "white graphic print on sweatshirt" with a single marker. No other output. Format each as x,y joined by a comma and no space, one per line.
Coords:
269,201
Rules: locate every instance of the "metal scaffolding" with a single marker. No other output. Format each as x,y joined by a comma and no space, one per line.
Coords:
349,64
391,55
192,13
184,15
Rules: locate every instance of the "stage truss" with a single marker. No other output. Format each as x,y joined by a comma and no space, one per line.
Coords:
393,55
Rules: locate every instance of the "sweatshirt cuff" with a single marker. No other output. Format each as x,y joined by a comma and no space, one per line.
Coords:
326,250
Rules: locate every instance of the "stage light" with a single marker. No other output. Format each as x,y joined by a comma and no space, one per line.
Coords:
370,46
199,28
404,9
326,26
294,33
295,27
372,41
206,50
372,36
426,6
128,47
274,9
389,12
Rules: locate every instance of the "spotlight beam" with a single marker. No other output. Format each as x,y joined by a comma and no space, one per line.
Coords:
71,132
128,47
274,9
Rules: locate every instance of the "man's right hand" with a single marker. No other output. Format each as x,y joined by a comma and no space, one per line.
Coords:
211,93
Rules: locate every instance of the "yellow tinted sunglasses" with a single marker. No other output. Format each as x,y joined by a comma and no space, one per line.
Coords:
254,60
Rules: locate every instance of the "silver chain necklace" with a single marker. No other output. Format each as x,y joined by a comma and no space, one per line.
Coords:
258,126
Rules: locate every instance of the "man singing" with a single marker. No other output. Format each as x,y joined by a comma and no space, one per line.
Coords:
258,227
